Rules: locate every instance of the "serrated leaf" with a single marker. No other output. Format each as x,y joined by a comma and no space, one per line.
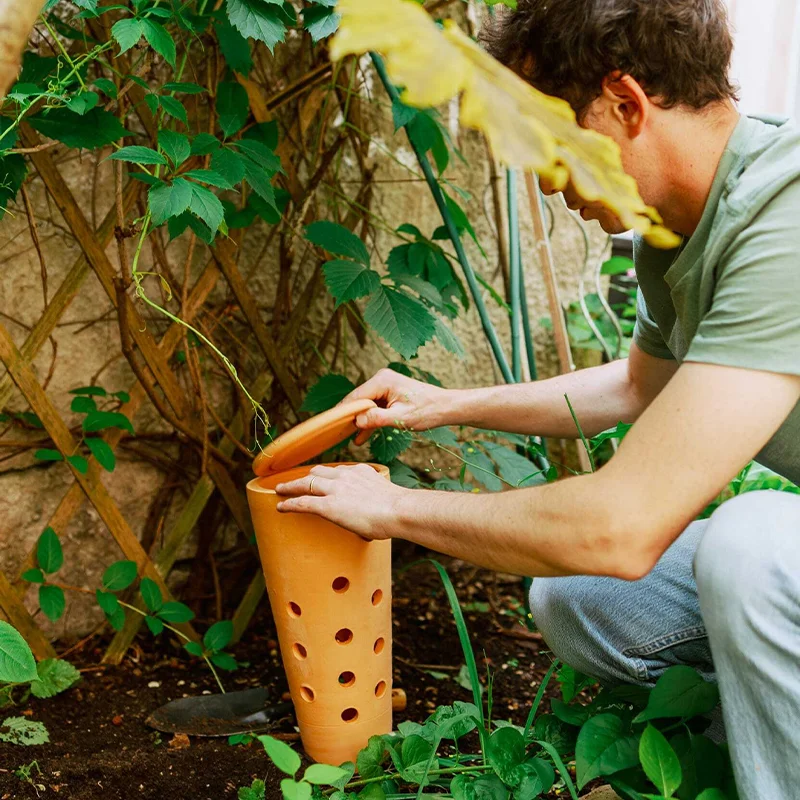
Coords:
281,755
102,451
13,170
337,239
512,467
206,205
161,41
174,108
320,21
174,611
22,731
603,748
17,664
120,575
229,164
447,339
326,393
94,129
175,146
210,177
82,102
219,635
659,761
54,676
47,454
52,602
403,322
127,33
107,86
233,107
235,47
100,420
387,444
259,20
169,200
137,154
33,575
151,594
349,280
49,554
480,466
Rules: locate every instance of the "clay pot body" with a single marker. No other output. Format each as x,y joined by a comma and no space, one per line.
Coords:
330,592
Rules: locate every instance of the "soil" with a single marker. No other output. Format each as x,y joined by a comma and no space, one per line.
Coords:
100,746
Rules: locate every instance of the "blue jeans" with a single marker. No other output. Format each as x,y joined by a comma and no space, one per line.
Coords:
724,599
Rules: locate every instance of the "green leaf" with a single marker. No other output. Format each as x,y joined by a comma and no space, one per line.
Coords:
94,129
54,676
402,114
13,170
193,649
102,451
323,774
210,177
82,102
26,732
229,164
260,20
253,792
320,21
79,463
617,265
415,753
49,555
108,602
295,790
206,205
480,466
455,721
120,575
219,635
370,759
512,467
90,391
262,156
117,619
281,755
712,794
387,444
46,454
447,339
100,420
169,200
174,611
17,664
233,107
151,594
224,661
127,33
536,776
702,764
603,748
505,751
138,155
107,86
155,625
573,682
235,47
175,146
659,761
182,86
83,405
404,322
174,108
337,239
572,715
348,280
158,38
326,393
33,576
680,692
52,602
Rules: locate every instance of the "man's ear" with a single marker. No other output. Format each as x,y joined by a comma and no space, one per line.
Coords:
630,105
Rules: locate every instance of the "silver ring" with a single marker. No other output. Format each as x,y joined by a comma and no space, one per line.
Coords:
311,484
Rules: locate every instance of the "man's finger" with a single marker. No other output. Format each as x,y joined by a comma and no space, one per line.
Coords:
302,505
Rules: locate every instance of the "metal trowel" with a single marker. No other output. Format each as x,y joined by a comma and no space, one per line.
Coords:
245,711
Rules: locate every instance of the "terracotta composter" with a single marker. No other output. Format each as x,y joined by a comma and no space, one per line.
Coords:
330,592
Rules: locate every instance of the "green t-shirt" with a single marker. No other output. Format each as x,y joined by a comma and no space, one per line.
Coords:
730,294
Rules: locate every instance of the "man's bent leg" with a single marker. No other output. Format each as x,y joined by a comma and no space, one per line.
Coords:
748,578
623,631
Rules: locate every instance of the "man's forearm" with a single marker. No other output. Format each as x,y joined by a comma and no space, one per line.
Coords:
601,396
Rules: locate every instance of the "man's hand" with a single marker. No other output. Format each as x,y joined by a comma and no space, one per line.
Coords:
406,403
355,497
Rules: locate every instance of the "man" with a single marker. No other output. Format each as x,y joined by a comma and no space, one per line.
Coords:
626,583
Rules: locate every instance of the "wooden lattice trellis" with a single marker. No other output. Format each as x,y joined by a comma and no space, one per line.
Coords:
155,379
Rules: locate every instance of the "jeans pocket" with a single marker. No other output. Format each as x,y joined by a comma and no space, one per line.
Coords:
688,647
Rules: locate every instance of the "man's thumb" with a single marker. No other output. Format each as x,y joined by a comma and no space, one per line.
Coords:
375,418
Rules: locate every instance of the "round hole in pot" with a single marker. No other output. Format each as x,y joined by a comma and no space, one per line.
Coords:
378,646
307,693
299,651
377,596
294,610
380,689
340,585
350,714
347,679
344,636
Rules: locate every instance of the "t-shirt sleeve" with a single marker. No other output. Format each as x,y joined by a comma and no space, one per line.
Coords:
754,319
646,333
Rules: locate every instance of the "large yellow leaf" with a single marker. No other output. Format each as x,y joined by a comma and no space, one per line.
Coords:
526,128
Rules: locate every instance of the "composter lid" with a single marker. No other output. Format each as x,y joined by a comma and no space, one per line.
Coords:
310,438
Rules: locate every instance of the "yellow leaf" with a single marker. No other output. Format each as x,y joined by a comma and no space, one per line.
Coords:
525,127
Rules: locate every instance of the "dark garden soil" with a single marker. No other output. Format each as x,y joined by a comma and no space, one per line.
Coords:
100,746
